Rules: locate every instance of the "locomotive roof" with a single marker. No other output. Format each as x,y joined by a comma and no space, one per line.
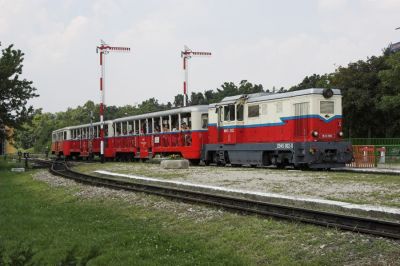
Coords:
188,109
263,96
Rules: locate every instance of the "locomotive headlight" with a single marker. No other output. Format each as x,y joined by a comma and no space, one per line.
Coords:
314,133
340,133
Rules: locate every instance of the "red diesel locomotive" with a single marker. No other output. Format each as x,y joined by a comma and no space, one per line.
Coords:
299,128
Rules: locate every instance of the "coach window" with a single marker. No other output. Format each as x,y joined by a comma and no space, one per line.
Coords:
165,124
105,130
130,127
186,121
150,122
124,128
229,112
156,124
120,128
142,126
253,111
239,112
175,122
135,127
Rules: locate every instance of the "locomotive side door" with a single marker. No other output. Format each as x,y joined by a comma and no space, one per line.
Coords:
218,110
229,124
301,111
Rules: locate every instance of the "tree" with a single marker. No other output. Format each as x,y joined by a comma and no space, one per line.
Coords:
14,91
178,100
314,81
389,103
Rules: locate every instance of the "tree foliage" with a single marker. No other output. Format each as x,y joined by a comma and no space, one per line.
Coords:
370,89
14,91
371,94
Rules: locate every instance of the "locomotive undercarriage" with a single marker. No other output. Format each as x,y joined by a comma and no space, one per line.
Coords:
315,155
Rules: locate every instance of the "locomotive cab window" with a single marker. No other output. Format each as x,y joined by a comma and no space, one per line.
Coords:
229,112
326,107
253,111
239,112
204,121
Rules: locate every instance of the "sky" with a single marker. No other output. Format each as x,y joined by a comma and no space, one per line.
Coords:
268,42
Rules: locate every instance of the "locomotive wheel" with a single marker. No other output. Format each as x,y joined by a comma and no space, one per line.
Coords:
194,162
280,166
206,162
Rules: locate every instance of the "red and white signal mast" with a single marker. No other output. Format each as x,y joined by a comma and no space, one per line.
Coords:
104,50
187,54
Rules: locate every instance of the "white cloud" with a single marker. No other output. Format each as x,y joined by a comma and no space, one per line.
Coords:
329,5
56,45
59,41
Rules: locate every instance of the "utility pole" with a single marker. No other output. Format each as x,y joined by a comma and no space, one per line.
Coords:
104,50
187,54
91,136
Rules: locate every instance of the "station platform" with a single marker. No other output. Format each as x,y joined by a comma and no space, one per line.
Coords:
364,210
377,170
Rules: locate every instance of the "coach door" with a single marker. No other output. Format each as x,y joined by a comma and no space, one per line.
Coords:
301,111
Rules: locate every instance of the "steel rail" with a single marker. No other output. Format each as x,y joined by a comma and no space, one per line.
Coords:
322,218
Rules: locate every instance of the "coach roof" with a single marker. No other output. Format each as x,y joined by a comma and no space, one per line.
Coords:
189,109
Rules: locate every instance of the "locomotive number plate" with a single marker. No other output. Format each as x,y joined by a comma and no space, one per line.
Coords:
284,145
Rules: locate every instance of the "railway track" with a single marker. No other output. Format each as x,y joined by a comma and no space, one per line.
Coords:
327,219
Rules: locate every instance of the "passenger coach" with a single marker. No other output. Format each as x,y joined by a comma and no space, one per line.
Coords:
181,131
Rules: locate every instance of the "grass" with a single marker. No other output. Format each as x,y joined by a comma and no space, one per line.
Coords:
44,225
